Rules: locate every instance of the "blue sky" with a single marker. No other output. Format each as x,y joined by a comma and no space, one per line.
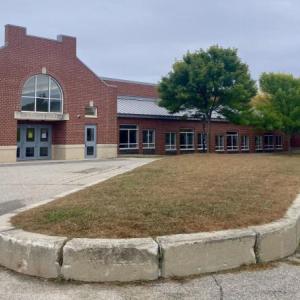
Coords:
140,39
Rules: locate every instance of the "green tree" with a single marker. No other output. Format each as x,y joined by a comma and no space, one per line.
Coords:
207,82
277,106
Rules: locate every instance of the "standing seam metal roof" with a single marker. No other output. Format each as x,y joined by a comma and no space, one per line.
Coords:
140,106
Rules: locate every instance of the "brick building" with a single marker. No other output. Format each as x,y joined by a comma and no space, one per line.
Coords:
52,106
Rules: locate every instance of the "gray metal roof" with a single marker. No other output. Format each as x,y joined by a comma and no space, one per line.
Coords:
149,108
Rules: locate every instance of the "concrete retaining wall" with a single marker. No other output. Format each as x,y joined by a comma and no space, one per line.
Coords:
31,253
190,254
102,260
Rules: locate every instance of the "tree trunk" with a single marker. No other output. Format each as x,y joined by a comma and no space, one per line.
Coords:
204,132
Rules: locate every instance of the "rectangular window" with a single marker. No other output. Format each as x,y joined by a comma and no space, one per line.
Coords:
90,112
202,141
278,142
268,142
219,143
43,151
30,135
245,143
170,141
149,139
29,152
187,139
128,137
42,105
44,135
232,141
258,143
18,134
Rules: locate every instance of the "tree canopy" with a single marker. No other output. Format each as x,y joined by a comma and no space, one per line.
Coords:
207,81
277,106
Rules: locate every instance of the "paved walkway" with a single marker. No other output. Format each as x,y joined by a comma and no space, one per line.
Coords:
281,282
26,183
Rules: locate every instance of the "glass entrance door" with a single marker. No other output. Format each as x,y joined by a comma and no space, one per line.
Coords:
34,142
90,141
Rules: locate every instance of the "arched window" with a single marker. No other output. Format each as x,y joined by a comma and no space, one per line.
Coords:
42,93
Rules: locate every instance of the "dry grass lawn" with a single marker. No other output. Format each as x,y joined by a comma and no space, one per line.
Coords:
180,194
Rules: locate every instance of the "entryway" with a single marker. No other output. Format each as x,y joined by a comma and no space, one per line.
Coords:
90,141
34,142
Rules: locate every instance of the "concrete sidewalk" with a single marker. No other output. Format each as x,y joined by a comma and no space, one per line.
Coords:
281,282
23,184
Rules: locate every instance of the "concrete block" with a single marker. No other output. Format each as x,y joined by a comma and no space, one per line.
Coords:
190,254
101,260
293,213
31,253
276,240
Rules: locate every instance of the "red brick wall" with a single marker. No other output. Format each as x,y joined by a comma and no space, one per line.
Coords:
163,126
127,88
24,56
295,142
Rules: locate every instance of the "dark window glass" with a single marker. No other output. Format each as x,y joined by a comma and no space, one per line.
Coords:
27,104
128,127
18,152
182,139
29,88
148,136
54,90
90,134
55,105
44,135
42,105
42,86
30,135
90,150
132,136
43,151
123,136
36,90
29,152
18,134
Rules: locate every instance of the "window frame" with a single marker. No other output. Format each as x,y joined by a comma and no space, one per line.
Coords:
233,136
268,146
245,146
91,116
148,145
170,146
259,146
218,147
49,99
202,146
187,146
277,145
136,129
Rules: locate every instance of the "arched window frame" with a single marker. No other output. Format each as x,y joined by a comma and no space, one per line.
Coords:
35,97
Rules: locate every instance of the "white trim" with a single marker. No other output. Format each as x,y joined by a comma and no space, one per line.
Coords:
170,146
245,146
127,81
148,144
135,145
186,146
46,98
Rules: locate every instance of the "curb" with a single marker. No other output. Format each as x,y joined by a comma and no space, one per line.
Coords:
125,260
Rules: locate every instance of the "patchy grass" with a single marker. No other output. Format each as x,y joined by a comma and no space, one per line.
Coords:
180,194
